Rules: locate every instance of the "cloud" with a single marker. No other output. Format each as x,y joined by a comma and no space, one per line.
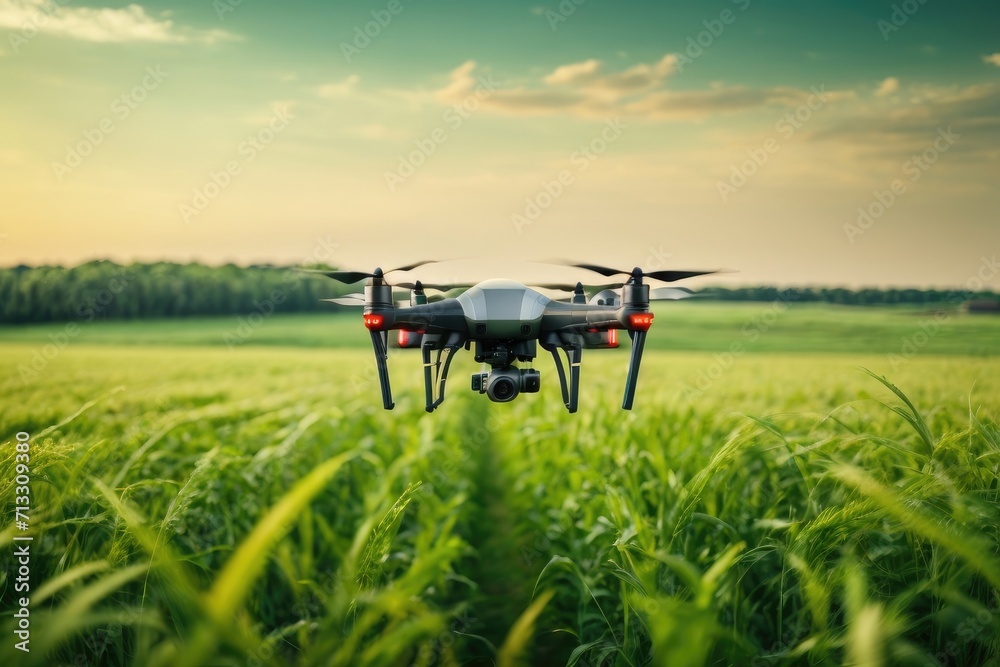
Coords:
574,72
102,25
993,59
587,89
345,87
887,87
897,129
696,104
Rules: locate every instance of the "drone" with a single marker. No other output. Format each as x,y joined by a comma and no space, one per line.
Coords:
507,321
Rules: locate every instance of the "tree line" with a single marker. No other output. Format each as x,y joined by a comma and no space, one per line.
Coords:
848,297
104,290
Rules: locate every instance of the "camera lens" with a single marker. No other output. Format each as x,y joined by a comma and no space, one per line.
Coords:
503,389
503,384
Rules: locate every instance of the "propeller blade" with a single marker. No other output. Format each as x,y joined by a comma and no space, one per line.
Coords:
349,300
669,293
672,276
571,287
349,277
603,270
435,286
664,276
410,267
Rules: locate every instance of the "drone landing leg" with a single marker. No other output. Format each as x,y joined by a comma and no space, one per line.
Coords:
444,376
638,342
572,345
440,375
383,369
562,375
425,350
575,354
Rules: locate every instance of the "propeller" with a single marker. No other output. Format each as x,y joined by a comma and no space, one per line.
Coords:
358,299
348,300
443,287
349,277
670,293
665,276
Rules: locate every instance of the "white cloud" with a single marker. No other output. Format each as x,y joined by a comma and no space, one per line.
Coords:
345,87
888,87
589,74
905,127
587,89
993,59
461,82
99,24
573,73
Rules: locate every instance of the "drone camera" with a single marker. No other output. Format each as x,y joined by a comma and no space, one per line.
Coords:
504,384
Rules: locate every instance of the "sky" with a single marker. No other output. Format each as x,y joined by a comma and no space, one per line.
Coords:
849,143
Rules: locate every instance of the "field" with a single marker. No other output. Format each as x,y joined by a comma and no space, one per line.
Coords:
197,498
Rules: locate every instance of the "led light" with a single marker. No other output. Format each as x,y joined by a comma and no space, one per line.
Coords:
374,322
613,337
640,321
403,337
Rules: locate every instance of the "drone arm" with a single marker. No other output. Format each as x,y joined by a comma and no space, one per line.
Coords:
383,369
638,342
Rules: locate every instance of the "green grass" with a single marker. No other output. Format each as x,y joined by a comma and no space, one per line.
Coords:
192,505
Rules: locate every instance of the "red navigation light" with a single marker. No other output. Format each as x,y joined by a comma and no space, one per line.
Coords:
374,322
640,321
402,338
613,337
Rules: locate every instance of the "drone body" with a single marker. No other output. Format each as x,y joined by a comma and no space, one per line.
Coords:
506,321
